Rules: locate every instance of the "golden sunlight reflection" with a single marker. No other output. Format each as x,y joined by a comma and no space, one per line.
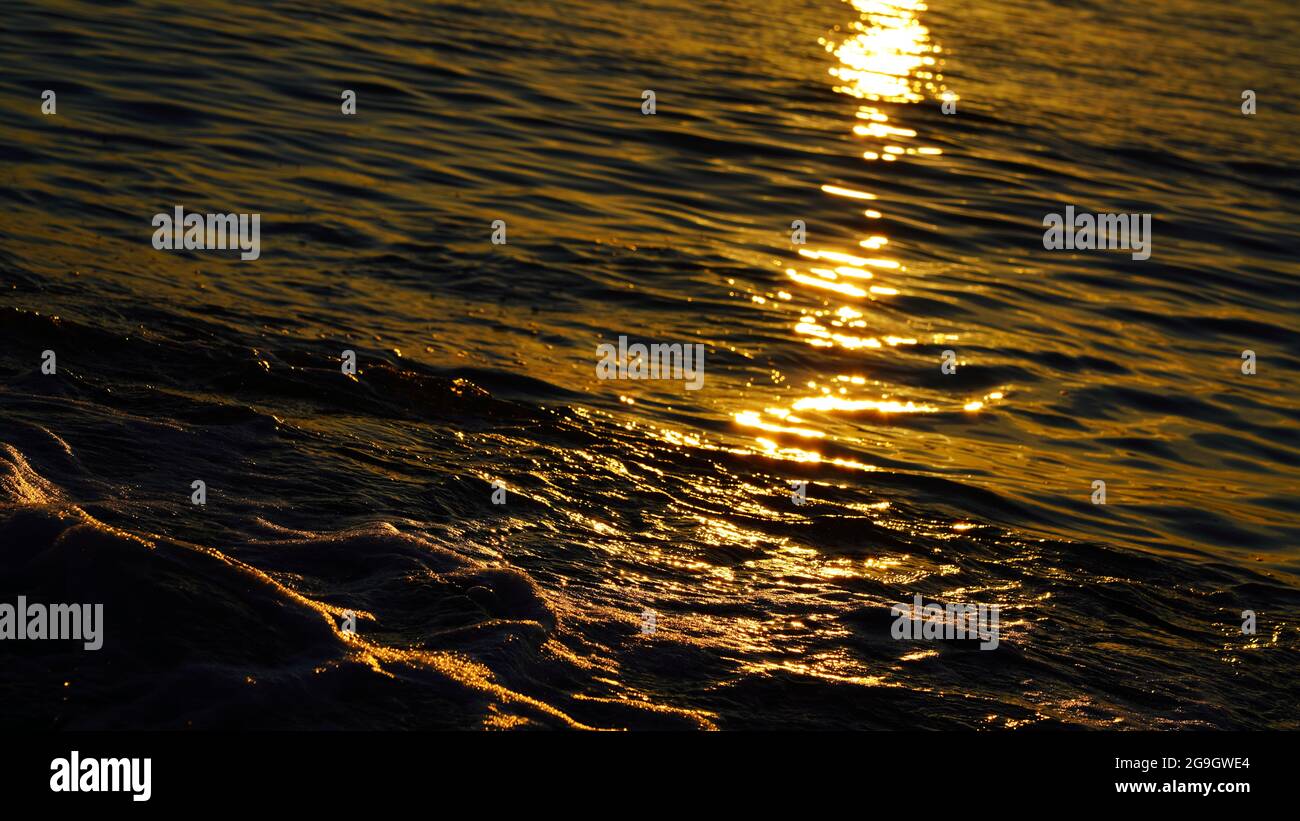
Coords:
885,60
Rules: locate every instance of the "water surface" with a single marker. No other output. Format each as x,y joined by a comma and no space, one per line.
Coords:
329,493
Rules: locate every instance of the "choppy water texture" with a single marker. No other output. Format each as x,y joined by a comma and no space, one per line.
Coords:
477,363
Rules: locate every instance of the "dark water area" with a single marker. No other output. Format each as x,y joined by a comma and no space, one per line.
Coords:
372,493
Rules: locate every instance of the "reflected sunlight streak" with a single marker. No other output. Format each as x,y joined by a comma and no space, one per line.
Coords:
887,59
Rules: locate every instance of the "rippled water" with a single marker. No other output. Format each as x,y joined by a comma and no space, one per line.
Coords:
372,493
